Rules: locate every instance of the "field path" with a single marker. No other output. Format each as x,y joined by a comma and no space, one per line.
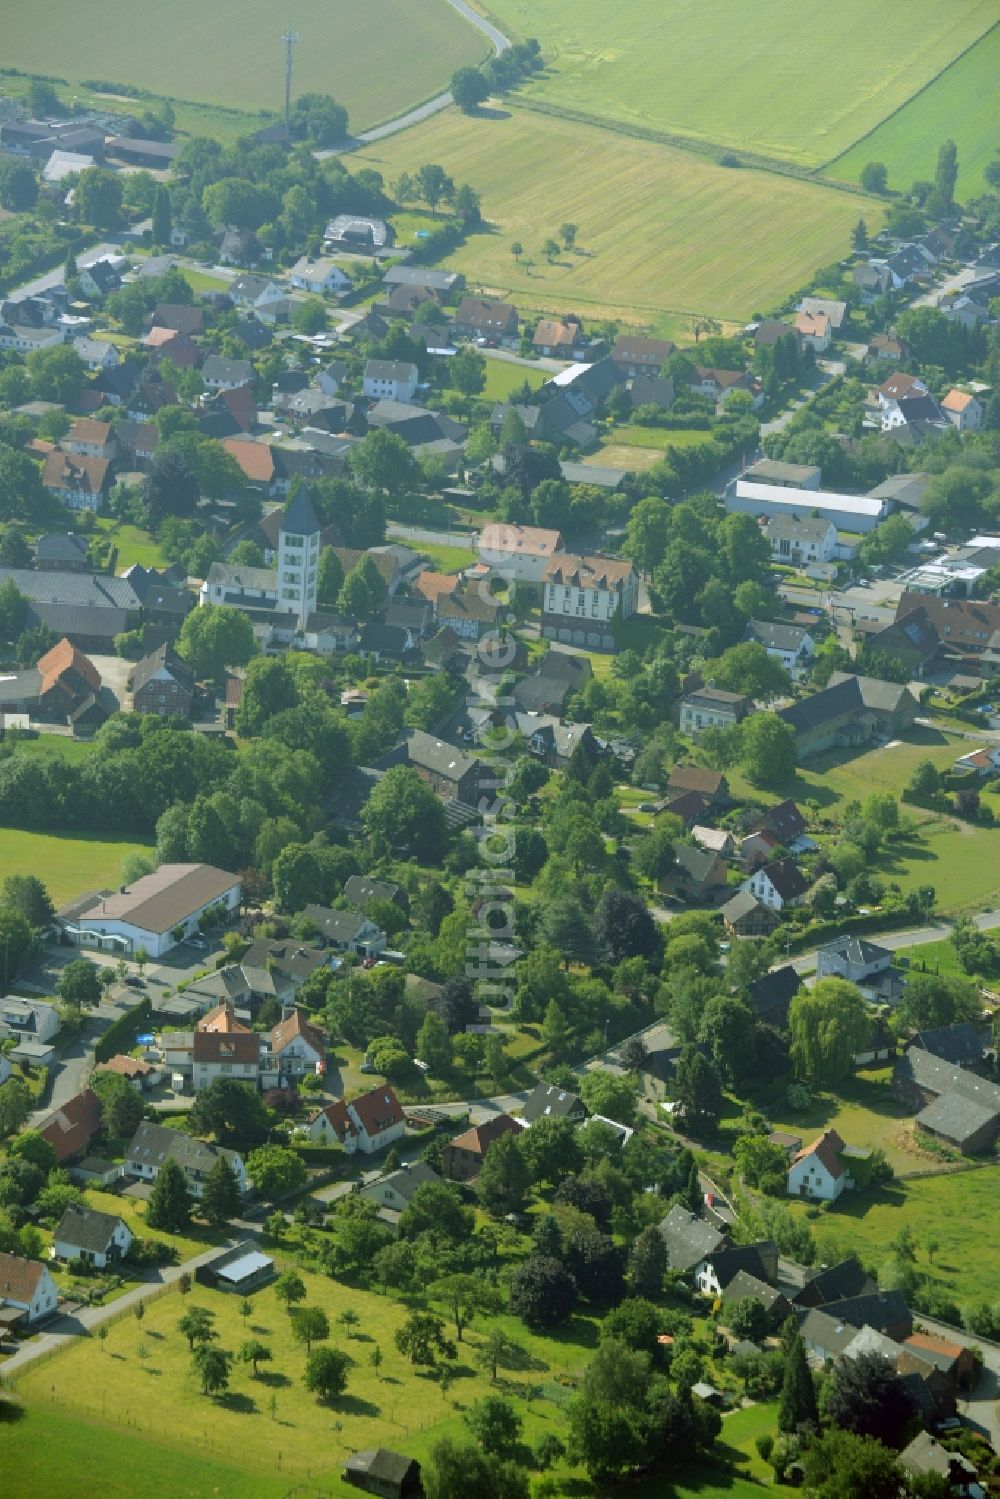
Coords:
432,106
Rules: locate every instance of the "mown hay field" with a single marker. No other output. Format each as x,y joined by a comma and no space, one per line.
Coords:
378,59
957,106
799,80
659,229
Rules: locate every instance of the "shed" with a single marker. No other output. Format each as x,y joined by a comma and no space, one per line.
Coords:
243,1268
389,1474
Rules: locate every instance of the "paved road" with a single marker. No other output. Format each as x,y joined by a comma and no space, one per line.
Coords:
826,370
113,246
418,534
986,921
432,106
507,356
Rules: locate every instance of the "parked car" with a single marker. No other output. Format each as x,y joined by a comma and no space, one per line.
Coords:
135,983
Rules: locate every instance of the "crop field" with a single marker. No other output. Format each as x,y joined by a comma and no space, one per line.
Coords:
378,59
67,866
797,80
953,106
659,229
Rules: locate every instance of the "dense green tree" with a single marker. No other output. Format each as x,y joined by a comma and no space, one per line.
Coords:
767,749
404,812
874,177
57,374
310,1325
231,1110
220,1198
290,1289
121,1105
436,1206
460,1468
197,1326
698,1090
18,186
866,1395
469,89
624,926
728,1027
169,1206
542,1292
161,215
797,1406
25,894
464,1295
318,119
503,1178
647,1264
213,638
829,1026
276,1171
840,1465
98,196
494,1423
421,1339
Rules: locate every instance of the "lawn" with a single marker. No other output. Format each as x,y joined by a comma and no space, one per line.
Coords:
446,559
378,59
502,377
632,435
795,82
626,457
67,865
960,861
951,107
202,281
55,747
133,544
645,213
958,1210
935,957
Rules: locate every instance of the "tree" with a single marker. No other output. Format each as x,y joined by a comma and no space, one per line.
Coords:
946,174
747,1318
566,927
329,577
698,1091
98,197
624,926
197,1326
494,1423
230,1110
464,1295
16,941
33,1147
169,1206
762,1164
79,983
874,177
326,1373
254,1352
647,533
455,1468
567,233
840,1465
654,855
161,215
748,668
542,1292
647,1263
421,1339
609,1094
383,462
18,186
220,1198
437,1207
468,89
797,1406
404,812
859,236
829,1025
317,118
727,1025
310,316
121,1106
276,1171
866,1395
57,374
213,1366
213,638
503,1178
467,372
517,249
434,1044
551,1149
550,249
170,487
310,1324
925,779
290,1288
767,749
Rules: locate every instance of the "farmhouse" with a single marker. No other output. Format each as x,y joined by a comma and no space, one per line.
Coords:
792,645
640,356
777,885
851,710
689,1240
158,911
26,1288
70,1128
519,553
822,1170
98,1238
163,683
957,1106
745,916
77,480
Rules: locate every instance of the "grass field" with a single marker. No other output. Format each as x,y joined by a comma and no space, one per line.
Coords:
502,377
634,436
796,82
951,107
378,59
446,559
68,866
56,747
134,545
645,215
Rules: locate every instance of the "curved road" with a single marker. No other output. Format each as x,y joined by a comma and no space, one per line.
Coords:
432,106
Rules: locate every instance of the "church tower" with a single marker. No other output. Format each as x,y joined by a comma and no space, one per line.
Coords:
298,558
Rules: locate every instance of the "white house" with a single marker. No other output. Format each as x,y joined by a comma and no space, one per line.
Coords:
28,1019
518,553
156,912
98,1238
792,645
96,353
25,340
819,1172
801,539
153,1144
777,885
257,292
320,277
815,329
582,595
235,1053
27,1286
218,373
963,410
297,1046
395,1190
390,379
981,762
369,1123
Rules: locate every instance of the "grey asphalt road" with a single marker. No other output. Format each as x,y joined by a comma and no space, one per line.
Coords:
431,106
986,921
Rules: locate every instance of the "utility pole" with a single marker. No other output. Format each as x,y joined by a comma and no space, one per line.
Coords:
290,38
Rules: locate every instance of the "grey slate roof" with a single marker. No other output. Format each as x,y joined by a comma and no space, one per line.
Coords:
836,1282
91,590
878,1309
773,991
546,1101
60,546
956,1118
232,371
824,1329
689,1240
962,1044
774,636
360,890
152,1144
745,1284
85,1228
729,1259
300,517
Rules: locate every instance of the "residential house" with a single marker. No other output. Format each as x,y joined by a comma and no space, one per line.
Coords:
885,1311
96,353
546,1101
358,233
769,997
838,1282
640,356
925,1455
814,330
786,822
360,890
518,553
964,627
712,708
850,710
78,482
346,931
219,373
873,281
135,442
155,912
447,770
68,688
964,411
319,277
689,1240
964,1044
391,379
71,1127
720,385
745,1286
821,1171
801,540
888,346
956,1106
956,1360
390,1475
464,1155
966,310
101,277
471,612
860,962
582,595
231,1053
980,762
557,339
835,311
134,1070
26,1287
824,1334
98,1238
716,840
711,784
444,282
153,1144
792,645
30,1019
746,916
369,1123
759,847
254,293
697,874
777,885
163,683
298,1046
715,1272
488,320
63,552
393,1191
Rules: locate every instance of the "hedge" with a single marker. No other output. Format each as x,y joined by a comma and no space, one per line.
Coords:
878,921
120,1035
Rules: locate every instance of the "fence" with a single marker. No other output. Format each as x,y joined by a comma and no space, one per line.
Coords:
118,1314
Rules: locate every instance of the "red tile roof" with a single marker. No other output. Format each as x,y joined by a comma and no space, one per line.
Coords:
225,1046
340,1120
480,1137
378,1109
222,1020
254,458
295,1025
65,657
127,1067
827,1149
19,1278
71,1128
